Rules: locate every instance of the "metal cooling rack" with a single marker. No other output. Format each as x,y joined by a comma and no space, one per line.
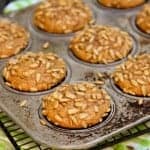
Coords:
22,141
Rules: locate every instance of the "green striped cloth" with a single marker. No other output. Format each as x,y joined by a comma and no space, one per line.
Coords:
4,142
138,143
19,5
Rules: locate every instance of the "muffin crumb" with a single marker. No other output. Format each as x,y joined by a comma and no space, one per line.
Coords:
46,45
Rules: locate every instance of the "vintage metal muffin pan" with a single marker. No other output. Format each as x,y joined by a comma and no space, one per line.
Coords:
123,115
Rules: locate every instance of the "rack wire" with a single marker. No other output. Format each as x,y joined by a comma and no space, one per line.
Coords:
22,141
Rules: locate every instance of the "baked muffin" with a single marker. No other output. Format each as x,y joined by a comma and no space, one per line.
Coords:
13,38
101,44
143,19
133,77
77,105
62,16
121,3
34,72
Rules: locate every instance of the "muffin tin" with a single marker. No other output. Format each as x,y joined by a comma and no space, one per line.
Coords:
125,111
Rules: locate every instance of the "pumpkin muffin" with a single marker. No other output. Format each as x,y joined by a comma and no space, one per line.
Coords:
133,77
62,16
77,105
13,38
101,44
143,19
34,72
124,4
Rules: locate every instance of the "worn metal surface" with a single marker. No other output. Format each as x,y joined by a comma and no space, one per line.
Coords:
126,114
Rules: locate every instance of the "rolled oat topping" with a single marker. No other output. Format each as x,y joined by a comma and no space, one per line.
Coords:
143,19
62,16
121,3
101,44
34,72
13,38
77,105
133,76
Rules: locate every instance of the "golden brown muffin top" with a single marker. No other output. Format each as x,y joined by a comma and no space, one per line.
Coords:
70,15
76,105
121,3
133,76
143,19
101,44
13,38
34,71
